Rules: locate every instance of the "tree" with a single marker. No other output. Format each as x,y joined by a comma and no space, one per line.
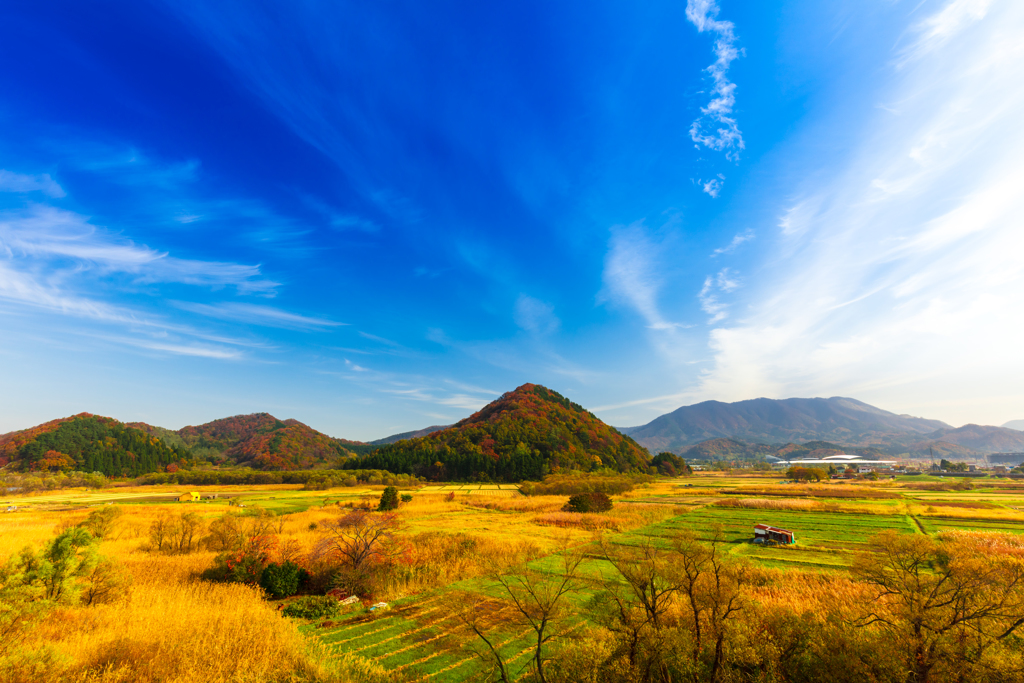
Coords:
539,599
941,603
806,473
671,465
388,499
640,598
357,542
104,583
100,523
69,556
712,585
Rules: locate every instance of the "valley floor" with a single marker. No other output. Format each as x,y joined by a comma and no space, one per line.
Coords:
424,633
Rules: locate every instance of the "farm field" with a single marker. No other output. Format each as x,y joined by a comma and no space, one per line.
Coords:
424,633
424,637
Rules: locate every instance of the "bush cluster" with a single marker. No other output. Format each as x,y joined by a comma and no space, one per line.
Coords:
283,580
571,484
588,502
313,607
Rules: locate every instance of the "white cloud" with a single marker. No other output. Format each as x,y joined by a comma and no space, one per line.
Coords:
630,273
51,235
724,282
255,314
897,277
19,182
535,316
712,187
724,134
739,239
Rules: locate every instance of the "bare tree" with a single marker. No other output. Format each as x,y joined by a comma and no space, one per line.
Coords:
188,529
640,596
712,586
359,542
539,599
359,537
476,621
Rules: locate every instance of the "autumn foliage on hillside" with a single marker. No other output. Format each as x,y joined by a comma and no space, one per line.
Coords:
265,442
525,434
11,442
87,443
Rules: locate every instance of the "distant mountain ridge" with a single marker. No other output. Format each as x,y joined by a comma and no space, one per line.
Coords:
262,441
982,438
836,419
1014,424
408,435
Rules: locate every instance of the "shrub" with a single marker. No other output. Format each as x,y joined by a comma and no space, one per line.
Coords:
388,499
100,523
562,485
283,580
406,498
313,607
588,502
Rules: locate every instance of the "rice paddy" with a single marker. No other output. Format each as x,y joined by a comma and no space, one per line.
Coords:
426,635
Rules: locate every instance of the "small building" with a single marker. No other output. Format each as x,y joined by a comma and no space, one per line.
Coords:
765,534
189,497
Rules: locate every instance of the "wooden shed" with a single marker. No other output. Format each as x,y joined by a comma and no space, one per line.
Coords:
189,497
764,533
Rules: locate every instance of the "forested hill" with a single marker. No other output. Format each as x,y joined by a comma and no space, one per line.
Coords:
523,435
88,443
265,442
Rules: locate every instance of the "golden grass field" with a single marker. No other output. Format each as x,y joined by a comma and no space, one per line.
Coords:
170,625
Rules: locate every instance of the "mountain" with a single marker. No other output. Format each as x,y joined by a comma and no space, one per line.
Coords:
262,441
728,449
1014,424
408,435
844,420
982,438
524,434
88,443
938,450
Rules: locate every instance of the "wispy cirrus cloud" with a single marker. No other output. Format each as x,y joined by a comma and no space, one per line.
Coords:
894,276
255,314
722,283
716,128
739,239
45,233
535,316
22,182
631,273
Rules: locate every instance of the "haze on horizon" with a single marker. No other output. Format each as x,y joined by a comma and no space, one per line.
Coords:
375,219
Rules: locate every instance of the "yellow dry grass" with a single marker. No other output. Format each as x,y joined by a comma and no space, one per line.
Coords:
168,626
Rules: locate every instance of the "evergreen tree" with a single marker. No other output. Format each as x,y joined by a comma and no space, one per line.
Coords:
388,499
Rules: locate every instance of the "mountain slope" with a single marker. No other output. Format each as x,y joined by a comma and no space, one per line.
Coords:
408,435
1014,424
265,442
87,443
982,438
524,434
844,420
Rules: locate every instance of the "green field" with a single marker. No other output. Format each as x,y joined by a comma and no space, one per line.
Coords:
423,636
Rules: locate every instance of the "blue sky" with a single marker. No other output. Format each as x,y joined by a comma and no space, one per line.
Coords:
373,217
